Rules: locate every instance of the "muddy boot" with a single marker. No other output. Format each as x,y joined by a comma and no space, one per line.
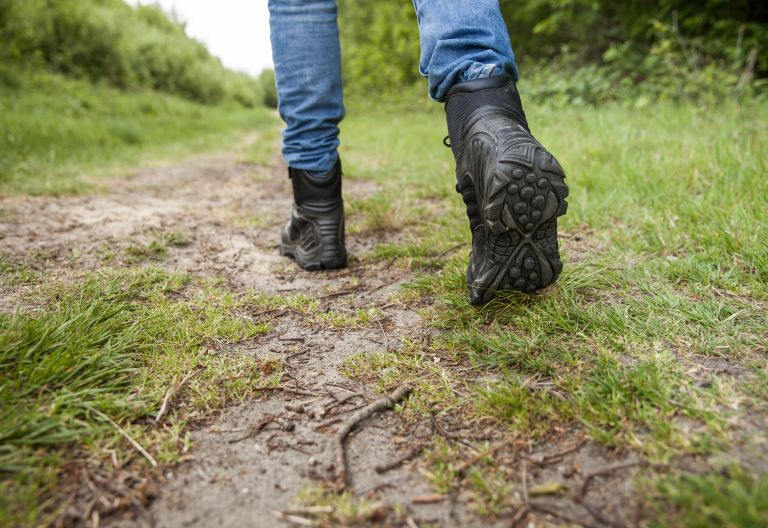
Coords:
513,189
314,237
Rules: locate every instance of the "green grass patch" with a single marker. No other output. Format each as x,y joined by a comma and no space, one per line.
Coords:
347,509
665,250
112,346
732,498
54,131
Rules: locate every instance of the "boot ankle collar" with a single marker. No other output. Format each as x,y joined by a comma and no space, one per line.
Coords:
323,190
486,83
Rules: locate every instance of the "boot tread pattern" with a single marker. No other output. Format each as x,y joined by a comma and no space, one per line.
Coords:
522,192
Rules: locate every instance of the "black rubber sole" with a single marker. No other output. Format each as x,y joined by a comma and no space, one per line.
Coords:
311,262
522,201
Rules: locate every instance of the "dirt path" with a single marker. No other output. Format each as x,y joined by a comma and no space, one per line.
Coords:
213,203
243,465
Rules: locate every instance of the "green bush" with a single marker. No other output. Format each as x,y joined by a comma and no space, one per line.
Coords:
583,51
268,88
380,45
129,47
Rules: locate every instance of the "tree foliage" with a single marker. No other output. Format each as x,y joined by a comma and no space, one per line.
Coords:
380,44
582,49
123,45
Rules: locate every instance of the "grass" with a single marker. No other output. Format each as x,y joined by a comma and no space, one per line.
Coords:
111,346
731,498
76,358
652,343
666,252
346,509
53,130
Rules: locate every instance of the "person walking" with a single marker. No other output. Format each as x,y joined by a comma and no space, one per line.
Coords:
513,188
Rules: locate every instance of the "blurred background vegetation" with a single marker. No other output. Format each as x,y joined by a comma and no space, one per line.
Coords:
89,82
90,86
128,47
583,51
576,51
87,85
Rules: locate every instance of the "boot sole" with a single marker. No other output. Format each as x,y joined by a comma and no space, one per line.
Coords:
524,198
311,262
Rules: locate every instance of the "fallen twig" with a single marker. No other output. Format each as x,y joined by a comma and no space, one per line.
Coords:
520,516
427,499
413,453
449,251
309,510
295,519
351,409
337,385
286,389
363,414
593,511
128,437
172,390
373,489
342,400
541,459
381,286
256,429
535,506
300,392
454,436
599,517
524,480
337,293
289,357
602,472
261,389
301,407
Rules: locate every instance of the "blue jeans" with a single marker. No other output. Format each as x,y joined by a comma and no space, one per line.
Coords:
461,40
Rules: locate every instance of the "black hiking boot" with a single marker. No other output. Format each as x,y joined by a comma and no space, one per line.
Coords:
314,236
513,189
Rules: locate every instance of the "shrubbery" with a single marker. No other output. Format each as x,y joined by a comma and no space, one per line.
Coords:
584,51
126,46
268,88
